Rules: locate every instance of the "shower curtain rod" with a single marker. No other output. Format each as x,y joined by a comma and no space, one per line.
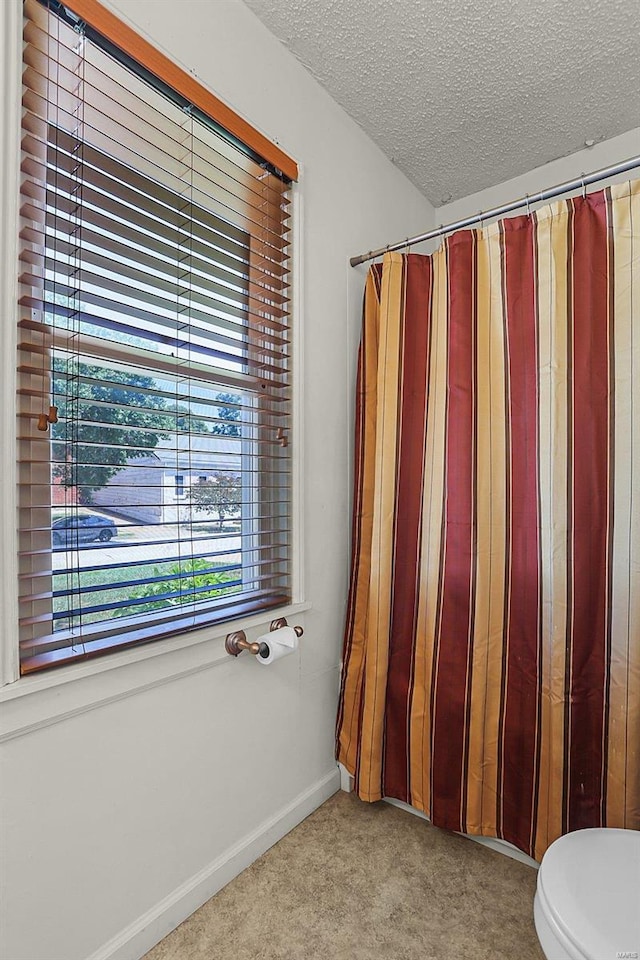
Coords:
479,217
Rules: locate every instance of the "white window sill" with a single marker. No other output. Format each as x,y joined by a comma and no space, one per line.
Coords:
37,701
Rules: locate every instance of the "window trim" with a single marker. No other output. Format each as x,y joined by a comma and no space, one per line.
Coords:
11,29
171,653
41,699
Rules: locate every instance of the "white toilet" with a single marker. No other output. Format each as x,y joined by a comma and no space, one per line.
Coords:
587,903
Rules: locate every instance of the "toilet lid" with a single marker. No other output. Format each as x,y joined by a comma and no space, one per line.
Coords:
589,883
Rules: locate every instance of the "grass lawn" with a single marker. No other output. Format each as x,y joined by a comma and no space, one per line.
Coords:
133,589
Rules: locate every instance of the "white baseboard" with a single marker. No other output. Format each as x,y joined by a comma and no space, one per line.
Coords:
500,846
144,933
346,780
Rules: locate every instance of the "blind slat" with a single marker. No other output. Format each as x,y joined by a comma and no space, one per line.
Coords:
137,118
113,132
134,46
127,603
108,80
141,192
166,306
186,342
203,239
135,358
173,580
152,273
268,273
28,552
252,356
70,649
272,336
142,250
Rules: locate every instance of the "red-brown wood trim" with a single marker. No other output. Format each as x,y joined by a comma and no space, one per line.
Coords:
111,27
90,649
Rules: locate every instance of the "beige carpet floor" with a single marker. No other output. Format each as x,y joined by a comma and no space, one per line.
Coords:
359,881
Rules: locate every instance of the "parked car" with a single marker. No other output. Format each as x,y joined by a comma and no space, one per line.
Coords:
82,528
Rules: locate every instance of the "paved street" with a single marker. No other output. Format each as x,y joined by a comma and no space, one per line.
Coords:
143,543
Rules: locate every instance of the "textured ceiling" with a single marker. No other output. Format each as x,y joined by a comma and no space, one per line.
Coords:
462,94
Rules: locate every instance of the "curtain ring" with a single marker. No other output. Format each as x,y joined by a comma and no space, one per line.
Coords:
528,207
584,186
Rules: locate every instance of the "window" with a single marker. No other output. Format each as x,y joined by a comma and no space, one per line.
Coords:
154,367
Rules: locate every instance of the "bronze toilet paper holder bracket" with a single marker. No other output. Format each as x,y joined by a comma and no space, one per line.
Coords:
237,641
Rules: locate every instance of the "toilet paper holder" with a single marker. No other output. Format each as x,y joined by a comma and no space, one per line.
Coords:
237,641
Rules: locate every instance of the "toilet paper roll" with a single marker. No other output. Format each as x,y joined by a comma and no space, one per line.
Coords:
279,643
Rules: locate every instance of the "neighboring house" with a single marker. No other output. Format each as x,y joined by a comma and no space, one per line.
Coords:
155,488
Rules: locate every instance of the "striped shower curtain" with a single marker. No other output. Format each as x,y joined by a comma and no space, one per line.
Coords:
491,673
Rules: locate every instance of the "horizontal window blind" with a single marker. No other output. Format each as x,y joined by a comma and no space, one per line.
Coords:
154,368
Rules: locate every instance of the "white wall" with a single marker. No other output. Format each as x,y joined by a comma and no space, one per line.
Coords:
135,786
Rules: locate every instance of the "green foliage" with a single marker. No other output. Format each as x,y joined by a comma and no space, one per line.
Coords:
231,414
103,423
91,437
189,576
221,493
